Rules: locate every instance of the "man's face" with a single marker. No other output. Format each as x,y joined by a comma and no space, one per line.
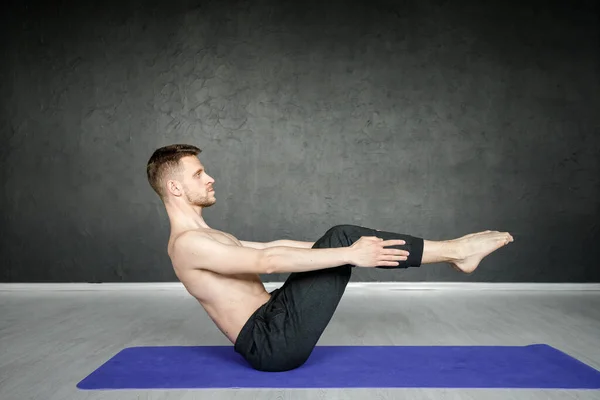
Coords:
197,184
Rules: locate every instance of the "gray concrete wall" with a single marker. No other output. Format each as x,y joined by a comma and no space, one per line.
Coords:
435,119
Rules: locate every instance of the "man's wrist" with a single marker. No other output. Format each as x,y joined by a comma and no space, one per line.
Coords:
347,255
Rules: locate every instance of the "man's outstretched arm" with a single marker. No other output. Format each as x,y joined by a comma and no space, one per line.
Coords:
290,243
275,243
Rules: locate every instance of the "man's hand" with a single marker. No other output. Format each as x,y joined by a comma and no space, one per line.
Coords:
370,251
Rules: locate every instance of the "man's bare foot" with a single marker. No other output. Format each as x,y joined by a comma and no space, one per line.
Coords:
475,246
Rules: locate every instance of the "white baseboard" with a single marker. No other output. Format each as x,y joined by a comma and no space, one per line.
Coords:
379,286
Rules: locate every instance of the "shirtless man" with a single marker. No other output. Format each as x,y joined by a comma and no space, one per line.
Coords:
277,331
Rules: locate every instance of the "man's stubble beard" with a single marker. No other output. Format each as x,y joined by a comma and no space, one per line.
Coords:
200,201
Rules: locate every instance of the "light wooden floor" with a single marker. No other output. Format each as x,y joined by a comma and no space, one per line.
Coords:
49,341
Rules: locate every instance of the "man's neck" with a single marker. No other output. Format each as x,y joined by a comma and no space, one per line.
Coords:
185,218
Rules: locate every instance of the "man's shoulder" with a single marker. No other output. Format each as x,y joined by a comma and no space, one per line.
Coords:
196,233
193,235
180,241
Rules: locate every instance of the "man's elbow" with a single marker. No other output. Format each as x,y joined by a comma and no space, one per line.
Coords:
266,262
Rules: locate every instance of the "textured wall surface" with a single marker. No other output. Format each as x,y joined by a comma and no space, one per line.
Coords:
431,118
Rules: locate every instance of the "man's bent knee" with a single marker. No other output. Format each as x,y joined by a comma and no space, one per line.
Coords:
341,228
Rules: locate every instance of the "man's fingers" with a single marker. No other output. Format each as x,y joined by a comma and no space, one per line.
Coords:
388,264
393,242
394,252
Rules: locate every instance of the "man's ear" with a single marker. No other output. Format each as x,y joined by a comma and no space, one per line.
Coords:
174,187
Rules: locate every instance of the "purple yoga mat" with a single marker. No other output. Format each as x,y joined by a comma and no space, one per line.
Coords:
536,366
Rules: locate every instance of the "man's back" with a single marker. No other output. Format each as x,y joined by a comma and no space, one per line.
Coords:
229,299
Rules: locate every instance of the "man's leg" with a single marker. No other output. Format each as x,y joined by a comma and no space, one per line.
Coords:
310,298
306,302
